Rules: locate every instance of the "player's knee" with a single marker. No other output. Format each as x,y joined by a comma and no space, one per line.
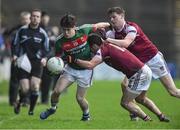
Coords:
124,104
140,100
24,87
35,87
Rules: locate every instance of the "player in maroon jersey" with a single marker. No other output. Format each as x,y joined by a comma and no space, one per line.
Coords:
139,74
129,35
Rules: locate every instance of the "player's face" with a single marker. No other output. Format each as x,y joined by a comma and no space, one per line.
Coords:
117,20
35,18
69,32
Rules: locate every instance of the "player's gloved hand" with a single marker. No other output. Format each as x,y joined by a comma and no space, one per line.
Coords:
71,59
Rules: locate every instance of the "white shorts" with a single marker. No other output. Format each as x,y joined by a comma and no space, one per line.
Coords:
140,81
82,77
158,66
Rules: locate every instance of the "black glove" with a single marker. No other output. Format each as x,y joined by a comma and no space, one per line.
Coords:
71,59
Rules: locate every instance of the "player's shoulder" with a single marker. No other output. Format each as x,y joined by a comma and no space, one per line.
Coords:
131,27
132,24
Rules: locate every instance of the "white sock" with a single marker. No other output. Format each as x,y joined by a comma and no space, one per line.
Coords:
54,107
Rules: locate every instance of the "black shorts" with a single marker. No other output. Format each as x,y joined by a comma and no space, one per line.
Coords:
36,70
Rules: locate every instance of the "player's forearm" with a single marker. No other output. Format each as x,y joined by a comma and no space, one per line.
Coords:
85,64
102,25
121,43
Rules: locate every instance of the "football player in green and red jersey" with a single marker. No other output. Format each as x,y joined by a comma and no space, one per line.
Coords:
73,41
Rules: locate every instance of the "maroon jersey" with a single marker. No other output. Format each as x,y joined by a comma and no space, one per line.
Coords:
141,47
120,59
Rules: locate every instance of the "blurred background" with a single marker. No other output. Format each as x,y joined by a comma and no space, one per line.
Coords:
160,20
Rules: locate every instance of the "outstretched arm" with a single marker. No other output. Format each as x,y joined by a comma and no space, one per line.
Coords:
127,41
124,42
89,64
101,25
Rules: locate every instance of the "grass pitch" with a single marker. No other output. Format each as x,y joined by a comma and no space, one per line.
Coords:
106,113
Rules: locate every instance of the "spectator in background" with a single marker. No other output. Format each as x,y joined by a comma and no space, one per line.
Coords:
31,47
54,35
24,20
14,83
45,19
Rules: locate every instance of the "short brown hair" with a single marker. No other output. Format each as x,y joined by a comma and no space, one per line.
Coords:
36,10
118,10
94,38
68,21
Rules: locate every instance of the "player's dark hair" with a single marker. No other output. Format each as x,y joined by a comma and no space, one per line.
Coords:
68,21
118,10
94,38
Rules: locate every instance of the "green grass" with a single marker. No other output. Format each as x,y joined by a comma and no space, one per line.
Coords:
106,113
3,88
